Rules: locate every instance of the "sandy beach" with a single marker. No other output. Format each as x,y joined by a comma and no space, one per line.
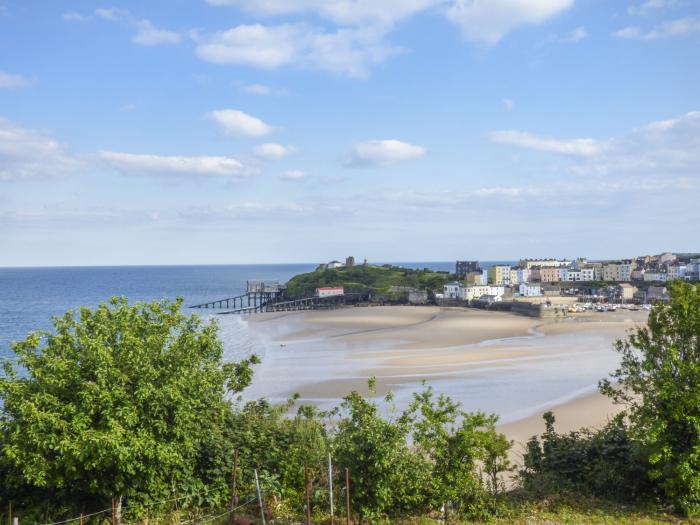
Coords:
514,366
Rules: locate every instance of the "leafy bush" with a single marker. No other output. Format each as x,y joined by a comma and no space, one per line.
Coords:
659,381
428,459
125,401
605,463
278,446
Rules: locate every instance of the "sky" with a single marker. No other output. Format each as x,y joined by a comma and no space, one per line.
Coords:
272,131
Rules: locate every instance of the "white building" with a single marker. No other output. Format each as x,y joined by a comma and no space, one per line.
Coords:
470,293
530,290
453,290
625,270
523,275
514,276
334,264
329,291
588,273
655,277
543,263
677,271
571,275
692,270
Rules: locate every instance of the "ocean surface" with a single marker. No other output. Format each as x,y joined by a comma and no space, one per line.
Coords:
29,297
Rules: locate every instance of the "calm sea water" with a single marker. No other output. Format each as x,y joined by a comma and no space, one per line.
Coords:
29,297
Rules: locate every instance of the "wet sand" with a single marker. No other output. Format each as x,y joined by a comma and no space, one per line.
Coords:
515,366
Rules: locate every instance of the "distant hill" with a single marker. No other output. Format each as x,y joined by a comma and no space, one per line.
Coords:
362,279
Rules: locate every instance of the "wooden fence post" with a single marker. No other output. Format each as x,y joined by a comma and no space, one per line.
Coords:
347,496
260,501
234,498
330,485
307,492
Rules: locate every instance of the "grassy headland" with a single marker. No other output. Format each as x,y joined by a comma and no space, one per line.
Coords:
367,278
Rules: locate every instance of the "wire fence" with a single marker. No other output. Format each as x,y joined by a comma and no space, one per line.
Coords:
82,517
114,513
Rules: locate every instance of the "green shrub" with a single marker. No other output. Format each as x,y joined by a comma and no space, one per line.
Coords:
604,463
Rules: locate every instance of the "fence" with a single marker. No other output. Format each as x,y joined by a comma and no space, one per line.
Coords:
113,514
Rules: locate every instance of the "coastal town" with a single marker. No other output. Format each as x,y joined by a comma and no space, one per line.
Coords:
528,286
638,280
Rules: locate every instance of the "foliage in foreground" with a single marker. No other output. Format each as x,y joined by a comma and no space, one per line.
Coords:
659,381
651,452
132,402
604,464
120,401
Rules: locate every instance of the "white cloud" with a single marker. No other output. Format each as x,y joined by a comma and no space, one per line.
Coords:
343,12
258,89
149,35
488,21
578,147
262,89
664,148
670,29
236,122
72,16
128,108
358,40
645,8
135,164
508,104
146,33
347,51
112,14
382,153
13,81
273,151
27,153
293,175
266,47
575,35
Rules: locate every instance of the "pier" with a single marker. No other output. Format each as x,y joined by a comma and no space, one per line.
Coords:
307,303
258,293
267,296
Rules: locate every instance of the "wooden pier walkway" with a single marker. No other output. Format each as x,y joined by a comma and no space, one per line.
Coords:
305,303
257,294
252,303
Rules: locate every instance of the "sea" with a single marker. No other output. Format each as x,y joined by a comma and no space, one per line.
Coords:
30,297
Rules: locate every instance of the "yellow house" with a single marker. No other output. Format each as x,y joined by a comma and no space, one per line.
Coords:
499,274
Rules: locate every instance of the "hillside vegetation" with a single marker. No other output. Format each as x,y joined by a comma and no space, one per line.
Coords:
363,279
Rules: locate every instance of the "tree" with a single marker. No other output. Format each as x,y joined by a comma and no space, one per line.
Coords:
124,401
455,444
386,478
659,381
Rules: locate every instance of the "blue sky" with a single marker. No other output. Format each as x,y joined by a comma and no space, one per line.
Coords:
243,131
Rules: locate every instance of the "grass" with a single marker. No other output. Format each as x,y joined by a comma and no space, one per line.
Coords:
375,279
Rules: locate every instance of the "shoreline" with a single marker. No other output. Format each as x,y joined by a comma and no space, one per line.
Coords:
515,366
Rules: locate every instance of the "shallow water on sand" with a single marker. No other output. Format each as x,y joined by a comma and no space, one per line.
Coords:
525,375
